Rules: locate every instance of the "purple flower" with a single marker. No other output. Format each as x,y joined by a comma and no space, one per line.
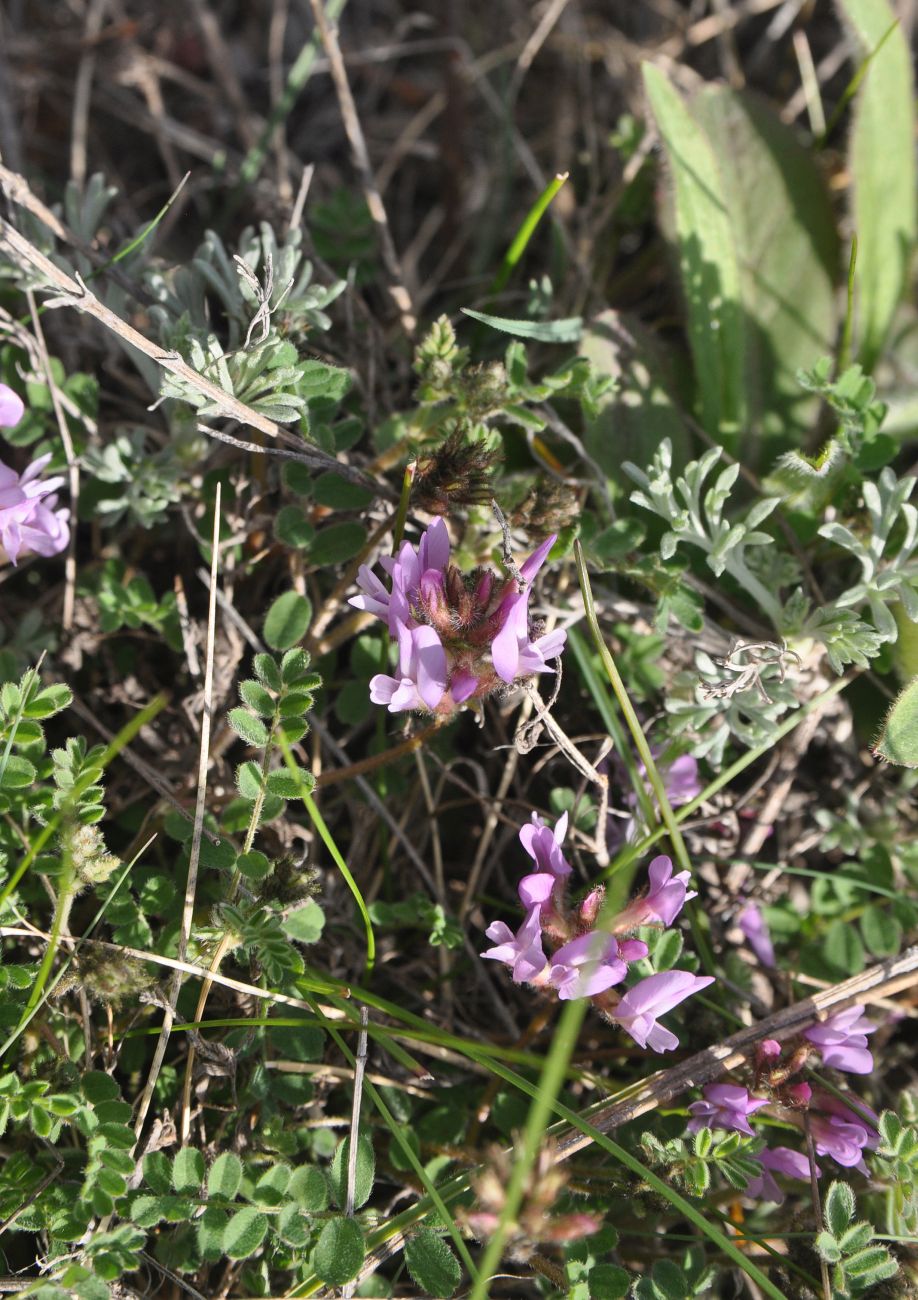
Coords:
30,520
842,1141
841,1133
543,844
11,407
842,1040
681,780
512,652
725,1105
663,901
755,932
777,1160
521,951
586,966
638,1010
409,570
422,669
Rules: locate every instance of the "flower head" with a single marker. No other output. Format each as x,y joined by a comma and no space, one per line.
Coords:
725,1105
422,668
543,844
481,621
639,1009
840,1132
842,1040
587,965
663,901
521,951
30,520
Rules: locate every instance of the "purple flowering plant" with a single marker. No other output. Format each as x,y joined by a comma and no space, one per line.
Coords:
460,637
589,955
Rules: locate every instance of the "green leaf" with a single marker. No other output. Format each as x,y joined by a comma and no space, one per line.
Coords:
289,785
842,949
784,233
99,1087
708,262
244,1233
308,1186
292,1226
17,774
838,1208
211,1228
366,1168
248,780
306,923
555,331
432,1264
339,493
252,730
881,162
293,528
257,698
157,1172
225,1176
898,741
339,1252
188,1170
337,543
882,932
287,621
609,1282
871,1265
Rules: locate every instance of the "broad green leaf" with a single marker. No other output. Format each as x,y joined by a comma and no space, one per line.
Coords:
339,493
339,1252
843,950
786,247
293,528
306,923
188,1170
99,1087
708,262
337,543
609,1282
898,741
838,1208
157,1172
251,729
554,331
366,1168
211,1228
256,697
432,1264
17,774
225,1176
308,1186
289,785
287,620
882,932
881,160
244,1233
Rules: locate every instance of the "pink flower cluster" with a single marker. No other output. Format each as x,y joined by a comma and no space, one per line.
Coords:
586,962
839,1131
459,636
30,520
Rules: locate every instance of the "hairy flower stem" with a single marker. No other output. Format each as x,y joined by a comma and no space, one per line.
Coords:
379,760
